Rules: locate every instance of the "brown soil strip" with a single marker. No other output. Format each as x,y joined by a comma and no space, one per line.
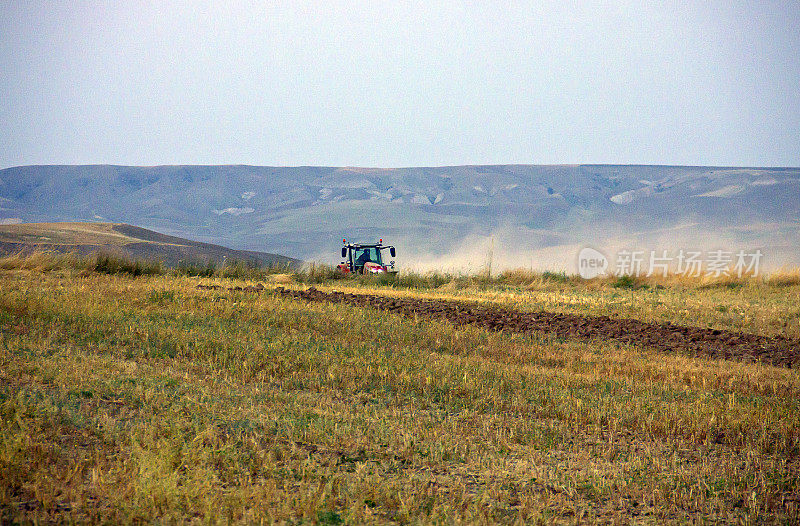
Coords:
666,337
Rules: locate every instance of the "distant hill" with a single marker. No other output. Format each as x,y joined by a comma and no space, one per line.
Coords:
531,215
125,240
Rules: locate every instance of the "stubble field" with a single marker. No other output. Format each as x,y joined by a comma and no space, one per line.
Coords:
126,399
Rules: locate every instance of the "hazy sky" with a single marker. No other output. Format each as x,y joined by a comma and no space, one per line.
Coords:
399,84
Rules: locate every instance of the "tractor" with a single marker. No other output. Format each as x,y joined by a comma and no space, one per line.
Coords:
365,258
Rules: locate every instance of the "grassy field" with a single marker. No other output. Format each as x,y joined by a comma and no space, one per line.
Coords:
145,399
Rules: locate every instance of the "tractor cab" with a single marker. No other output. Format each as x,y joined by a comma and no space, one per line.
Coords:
366,258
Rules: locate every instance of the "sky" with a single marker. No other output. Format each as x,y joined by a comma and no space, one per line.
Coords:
393,84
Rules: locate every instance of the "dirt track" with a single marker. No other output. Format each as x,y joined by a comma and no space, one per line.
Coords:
666,337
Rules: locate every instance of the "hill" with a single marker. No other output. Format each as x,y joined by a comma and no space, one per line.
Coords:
126,240
537,215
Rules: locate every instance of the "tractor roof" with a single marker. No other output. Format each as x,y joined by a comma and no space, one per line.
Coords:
366,245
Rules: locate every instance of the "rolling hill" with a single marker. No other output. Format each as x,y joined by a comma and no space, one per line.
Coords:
448,216
125,240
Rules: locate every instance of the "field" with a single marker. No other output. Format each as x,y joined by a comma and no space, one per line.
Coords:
150,399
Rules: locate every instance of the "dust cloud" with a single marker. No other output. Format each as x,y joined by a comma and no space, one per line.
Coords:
513,247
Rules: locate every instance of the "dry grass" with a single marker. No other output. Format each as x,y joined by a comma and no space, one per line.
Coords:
784,278
282,279
149,400
42,261
535,280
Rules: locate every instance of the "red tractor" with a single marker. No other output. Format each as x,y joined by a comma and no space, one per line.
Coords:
365,258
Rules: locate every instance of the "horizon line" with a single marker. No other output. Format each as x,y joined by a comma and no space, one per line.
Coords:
357,167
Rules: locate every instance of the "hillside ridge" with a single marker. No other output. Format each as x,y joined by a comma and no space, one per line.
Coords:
126,240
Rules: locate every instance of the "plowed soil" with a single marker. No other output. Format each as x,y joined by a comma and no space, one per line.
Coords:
666,337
